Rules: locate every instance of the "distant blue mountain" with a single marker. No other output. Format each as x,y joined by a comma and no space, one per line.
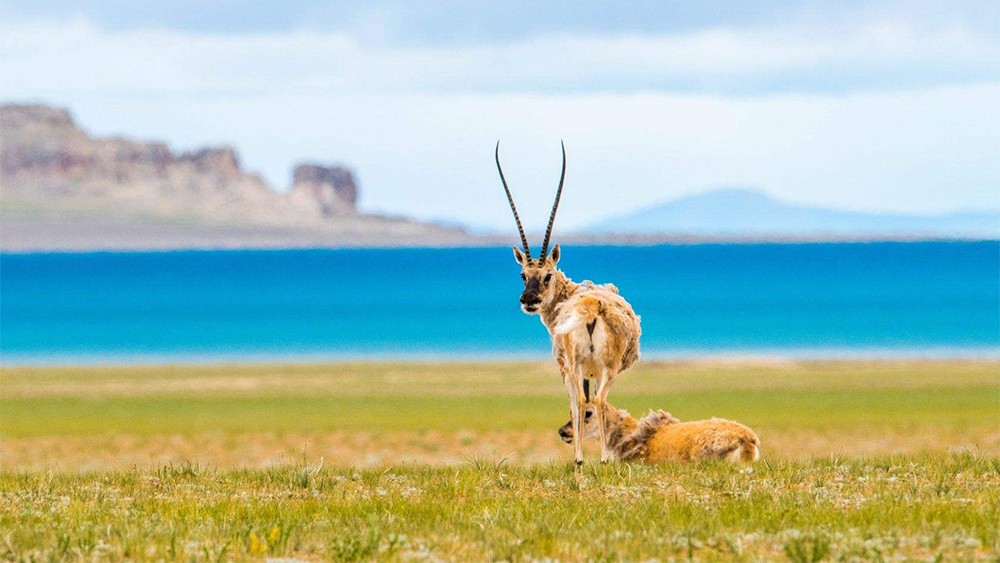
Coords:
740,211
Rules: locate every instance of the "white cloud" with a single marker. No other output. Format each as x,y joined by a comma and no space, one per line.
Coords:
76,57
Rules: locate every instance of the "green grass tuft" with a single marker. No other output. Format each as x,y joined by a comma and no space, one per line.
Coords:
921,507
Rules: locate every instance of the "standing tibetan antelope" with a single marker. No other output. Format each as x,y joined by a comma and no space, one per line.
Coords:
594,331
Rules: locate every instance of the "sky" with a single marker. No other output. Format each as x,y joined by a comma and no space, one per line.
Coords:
884,106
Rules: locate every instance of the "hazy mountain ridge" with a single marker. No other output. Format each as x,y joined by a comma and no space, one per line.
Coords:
747,212
63,188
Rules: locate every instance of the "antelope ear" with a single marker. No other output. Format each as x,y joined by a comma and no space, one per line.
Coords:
555,254
520,257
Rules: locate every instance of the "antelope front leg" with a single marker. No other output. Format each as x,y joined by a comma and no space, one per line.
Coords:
574,390
600,410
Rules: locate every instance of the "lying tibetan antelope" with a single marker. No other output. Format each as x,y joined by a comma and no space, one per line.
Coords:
659,437
594,331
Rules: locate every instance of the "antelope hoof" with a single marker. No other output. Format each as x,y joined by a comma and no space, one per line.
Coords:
578,462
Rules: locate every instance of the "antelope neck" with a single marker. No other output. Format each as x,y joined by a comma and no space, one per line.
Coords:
564,288
617,436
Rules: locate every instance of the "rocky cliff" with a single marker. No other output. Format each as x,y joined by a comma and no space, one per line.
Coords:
331,188
54,176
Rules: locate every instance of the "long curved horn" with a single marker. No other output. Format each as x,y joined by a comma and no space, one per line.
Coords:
510,198
555,206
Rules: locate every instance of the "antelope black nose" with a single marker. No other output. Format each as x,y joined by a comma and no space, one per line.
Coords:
530,300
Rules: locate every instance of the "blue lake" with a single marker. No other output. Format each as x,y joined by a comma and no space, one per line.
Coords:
929,299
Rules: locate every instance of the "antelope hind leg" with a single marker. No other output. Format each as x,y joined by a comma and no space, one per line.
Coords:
600,410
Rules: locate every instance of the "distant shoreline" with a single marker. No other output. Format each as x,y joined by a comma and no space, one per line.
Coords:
315,242
735,356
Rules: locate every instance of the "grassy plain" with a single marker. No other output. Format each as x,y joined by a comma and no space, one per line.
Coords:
458,461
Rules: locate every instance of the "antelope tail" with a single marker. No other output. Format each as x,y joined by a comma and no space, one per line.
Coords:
751,449
585,313
747,450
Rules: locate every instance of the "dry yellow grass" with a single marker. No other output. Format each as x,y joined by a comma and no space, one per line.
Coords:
364,449
376,414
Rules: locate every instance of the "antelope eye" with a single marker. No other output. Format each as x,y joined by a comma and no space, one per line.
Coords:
524,277
548,278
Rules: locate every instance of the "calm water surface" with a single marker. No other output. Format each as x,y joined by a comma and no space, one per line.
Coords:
845,300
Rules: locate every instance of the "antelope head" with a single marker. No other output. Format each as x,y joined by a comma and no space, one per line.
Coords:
589,426
540,275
